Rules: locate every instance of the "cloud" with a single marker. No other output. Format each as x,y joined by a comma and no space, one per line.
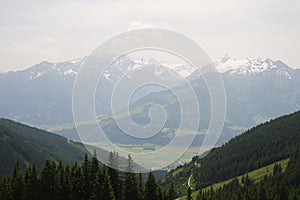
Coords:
137,25
48,39
56,29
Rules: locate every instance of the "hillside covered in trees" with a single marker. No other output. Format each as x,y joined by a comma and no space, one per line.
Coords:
281,185
28,145
88,180
39,174
260,146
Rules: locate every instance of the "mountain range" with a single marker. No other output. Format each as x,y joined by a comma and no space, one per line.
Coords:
256,89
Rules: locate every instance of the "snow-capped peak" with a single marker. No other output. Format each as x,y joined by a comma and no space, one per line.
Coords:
251,66
68,68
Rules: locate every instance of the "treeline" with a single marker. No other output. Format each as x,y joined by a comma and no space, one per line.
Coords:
258,147
279,186
89,180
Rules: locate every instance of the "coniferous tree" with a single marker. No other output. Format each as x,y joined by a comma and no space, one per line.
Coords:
160,194
131,190
31,184
114,174
5,188
95,166
141,187
151,192
86,170
104,189
17,183
189,194
48,180
63,183
171,192
76,183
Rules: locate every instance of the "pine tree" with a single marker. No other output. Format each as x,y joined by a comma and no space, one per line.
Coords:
76,183
5,188
63,183
31,183
172,192
131,190
114,174
151,188
104,189
141,187
17,183
189,194
86,170
48,180
95,166
160,194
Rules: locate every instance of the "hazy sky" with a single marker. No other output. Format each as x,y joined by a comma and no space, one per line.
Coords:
58,30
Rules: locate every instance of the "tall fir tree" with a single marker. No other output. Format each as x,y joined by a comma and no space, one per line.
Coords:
141,187
31,184
104,189
5,188
87,184
189,194
172,194
48,180
113,163
17,183
151,192
131,190
76,183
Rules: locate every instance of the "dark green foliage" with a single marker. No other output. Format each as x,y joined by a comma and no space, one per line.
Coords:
116,181
17,185
258,147
131,189
151,192
189,194
177,178
24,144
280,186
141,187
48,181
6,188
31,187
172,193
86,181
104,189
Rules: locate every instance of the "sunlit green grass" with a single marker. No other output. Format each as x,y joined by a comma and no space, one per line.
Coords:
255,175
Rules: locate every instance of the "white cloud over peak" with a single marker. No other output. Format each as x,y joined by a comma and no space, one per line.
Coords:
137,25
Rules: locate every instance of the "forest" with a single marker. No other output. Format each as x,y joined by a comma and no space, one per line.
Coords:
258,147
279,186
81,181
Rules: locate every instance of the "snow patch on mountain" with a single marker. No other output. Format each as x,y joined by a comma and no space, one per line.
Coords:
248,66
128,65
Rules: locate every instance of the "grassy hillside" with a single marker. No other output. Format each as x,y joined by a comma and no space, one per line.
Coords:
256,175
26,145
258,147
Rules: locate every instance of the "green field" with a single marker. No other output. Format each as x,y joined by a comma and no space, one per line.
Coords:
255,175
145,155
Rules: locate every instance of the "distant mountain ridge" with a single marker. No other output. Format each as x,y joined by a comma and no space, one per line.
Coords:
251,66
42,94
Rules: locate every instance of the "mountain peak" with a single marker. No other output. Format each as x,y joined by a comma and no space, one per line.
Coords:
225,58
251,66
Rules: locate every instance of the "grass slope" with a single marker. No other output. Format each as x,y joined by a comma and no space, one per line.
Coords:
258,147
255,175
